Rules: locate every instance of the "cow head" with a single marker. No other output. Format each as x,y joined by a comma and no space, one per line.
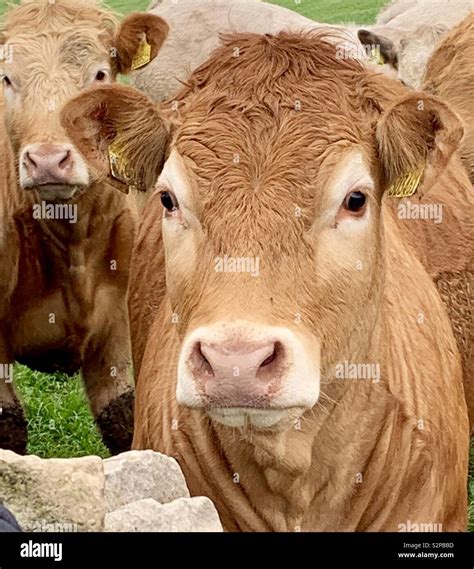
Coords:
406,52
271,196
52,51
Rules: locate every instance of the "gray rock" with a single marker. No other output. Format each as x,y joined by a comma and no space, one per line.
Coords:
137,475
182,515
53,494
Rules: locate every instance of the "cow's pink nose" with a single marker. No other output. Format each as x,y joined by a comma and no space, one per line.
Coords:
237,374
245,361
48,164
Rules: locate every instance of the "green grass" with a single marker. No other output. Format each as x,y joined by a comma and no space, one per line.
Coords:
59,421
335,11
125,6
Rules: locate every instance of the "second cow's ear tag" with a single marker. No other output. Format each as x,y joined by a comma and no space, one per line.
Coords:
119,166
143,55
407,184
376,57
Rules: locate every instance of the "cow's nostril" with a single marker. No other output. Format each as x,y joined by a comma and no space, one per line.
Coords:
236,363
270,358
204,365
29,160
66,160
272,363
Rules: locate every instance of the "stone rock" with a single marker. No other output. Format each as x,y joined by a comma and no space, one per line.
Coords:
53,494
137,475
182,515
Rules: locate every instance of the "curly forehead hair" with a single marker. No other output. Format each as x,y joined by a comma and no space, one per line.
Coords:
44,15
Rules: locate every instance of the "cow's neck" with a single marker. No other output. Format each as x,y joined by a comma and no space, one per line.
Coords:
317,462
306,477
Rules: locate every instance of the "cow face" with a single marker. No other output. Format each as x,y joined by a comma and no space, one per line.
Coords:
262,258
405,52
51,52
271,214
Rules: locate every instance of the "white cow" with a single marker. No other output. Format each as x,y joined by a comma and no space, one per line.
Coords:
408,32
195,27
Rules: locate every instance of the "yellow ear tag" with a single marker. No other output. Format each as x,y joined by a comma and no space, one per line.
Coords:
119,167
142,57
406,185
376,57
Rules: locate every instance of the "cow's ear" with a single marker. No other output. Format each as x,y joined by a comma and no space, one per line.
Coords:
379,48
138,41
416,138
120,133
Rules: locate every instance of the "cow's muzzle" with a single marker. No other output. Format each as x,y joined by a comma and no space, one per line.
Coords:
56,171
250,369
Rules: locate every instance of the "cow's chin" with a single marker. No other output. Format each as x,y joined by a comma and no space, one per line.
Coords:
56,192
59,192
256,419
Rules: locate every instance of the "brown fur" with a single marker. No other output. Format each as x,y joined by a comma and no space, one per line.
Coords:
135,28
450,75
367,457
97,117
75,273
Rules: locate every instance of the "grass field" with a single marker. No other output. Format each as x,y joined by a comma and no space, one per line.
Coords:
59,421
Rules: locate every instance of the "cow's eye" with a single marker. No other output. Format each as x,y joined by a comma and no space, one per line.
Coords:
169,201
355,202
7,81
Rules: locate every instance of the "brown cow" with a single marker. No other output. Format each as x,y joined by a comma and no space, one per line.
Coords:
450,74
291,350
447,248
65,237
